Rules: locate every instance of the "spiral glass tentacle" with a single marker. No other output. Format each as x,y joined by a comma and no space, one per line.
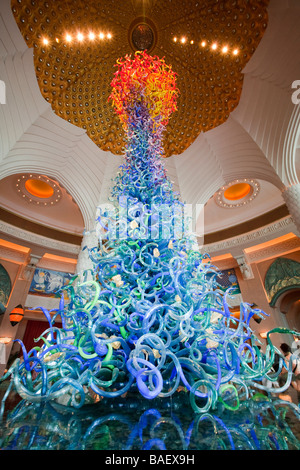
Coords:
152,319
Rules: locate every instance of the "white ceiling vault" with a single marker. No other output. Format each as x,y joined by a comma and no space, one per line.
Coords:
258,141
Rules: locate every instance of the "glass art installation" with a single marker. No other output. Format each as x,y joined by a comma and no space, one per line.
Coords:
150,320
127,424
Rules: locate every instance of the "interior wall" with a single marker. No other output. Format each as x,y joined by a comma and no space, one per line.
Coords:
12,270
263,266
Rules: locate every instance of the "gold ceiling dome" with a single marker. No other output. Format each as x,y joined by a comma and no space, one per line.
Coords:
77,42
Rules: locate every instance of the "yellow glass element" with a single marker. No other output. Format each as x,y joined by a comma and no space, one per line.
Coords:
237,191
39,188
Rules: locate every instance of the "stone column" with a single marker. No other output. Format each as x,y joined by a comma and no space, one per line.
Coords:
291,196
18,296
89,241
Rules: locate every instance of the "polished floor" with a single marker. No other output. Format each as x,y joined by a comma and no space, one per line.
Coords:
261,423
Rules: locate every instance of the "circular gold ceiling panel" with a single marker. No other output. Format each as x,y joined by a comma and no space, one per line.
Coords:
76,44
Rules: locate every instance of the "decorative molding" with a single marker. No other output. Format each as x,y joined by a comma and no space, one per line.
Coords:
245,268
291,195
251,225
39,227
274,250
276,229
45,242
14,255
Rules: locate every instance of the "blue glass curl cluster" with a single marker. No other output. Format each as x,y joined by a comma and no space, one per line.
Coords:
152,318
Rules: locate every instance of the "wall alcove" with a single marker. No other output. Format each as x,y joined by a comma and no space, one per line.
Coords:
5,288
282,276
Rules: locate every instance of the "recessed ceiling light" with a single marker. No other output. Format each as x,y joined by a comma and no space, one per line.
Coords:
225,49
80,37
235,52
91,35
214,46
37,189
238,193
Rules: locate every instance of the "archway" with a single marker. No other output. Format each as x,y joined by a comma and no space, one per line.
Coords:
282,276
5,288
290,306
282,286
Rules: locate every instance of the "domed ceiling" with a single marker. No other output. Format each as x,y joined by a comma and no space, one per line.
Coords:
40,200
76,44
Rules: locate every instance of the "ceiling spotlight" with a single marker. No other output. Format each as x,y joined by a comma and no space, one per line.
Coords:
225,49
235,52
203,43
101,36
45,41
214,46
191,42
91,35
68,38
183,40
175,39
80,36
109,36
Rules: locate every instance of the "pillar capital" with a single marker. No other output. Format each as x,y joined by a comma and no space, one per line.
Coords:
245,267
291,196
29,268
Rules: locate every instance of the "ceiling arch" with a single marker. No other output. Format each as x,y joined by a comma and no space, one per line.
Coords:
257,140
238,154
55,210
266,110
34,139
74,71
290,149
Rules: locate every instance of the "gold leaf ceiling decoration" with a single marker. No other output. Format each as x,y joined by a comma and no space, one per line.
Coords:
74,74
